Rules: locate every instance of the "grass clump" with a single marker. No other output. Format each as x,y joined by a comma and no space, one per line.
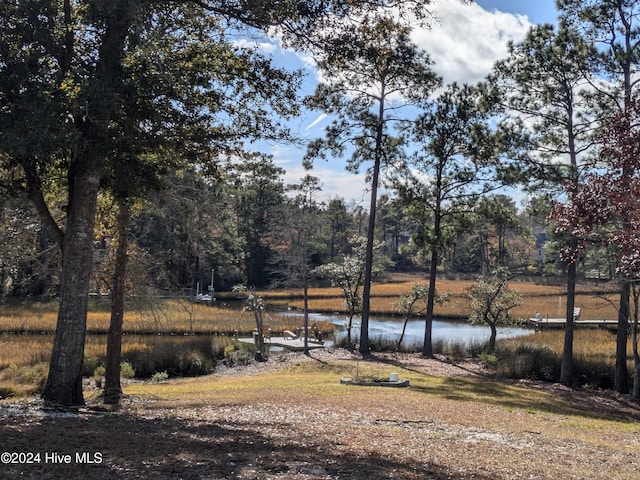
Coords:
528,361
21,380
159,377
539,356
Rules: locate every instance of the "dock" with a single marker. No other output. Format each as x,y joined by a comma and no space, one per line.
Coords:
295,344
542,323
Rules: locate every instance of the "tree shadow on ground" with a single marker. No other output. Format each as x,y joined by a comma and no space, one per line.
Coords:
131,446
540,396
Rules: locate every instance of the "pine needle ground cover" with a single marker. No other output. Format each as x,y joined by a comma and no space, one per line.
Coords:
290,418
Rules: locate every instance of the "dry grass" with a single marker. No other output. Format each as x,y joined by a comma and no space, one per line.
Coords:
167,316
546,299
30,352
298,422
187,317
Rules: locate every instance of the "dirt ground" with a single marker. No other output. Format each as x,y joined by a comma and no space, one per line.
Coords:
364,433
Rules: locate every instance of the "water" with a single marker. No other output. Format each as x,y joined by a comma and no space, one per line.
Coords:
389,328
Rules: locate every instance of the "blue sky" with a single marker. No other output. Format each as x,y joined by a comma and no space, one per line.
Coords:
464,44
538,11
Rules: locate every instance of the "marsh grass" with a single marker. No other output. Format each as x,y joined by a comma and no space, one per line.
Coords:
538,356
24,359
165,317
449,348
596,300
189,350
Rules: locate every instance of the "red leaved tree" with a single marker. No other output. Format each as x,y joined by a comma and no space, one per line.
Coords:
604,209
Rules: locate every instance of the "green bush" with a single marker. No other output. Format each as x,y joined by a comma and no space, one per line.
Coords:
126,370
99,371
240,356
159,377
35,375
90,364
229,349
489,358
194,362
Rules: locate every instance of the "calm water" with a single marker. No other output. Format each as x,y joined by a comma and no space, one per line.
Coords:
390,328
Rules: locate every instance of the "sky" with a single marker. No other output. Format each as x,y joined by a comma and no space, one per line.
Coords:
464,44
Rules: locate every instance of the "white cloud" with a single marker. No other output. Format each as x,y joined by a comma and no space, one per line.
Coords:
334,179
466,40
464,43
265,47
319,119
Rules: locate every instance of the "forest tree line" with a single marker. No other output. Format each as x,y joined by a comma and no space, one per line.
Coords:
240,230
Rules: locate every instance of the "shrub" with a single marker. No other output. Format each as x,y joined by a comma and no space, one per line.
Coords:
535,362
597,374
90,364
489,358
194,362
98,374
159,377
241,356
176,355
6,392
23,379
126,370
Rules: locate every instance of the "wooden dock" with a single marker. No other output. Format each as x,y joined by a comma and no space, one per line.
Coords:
542,323
296,344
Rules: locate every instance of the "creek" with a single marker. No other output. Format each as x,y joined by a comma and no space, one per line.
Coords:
390,328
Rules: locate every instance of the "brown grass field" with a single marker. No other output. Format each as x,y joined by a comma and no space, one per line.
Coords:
180,316
597,300
292,419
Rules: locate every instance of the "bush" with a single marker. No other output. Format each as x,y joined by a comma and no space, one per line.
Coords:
90,364
194,362
98,375
489,358
239,356
159,377
178,356
23,379
592,373
126,370
6,392
534,362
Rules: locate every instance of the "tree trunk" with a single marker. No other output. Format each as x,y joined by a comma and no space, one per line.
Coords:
635,388
368,263
306,318
621,381
635,392
112,387
492,338
64,382
427,347
566,370
404,329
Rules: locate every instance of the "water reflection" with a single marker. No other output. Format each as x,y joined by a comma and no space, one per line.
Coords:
390,328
